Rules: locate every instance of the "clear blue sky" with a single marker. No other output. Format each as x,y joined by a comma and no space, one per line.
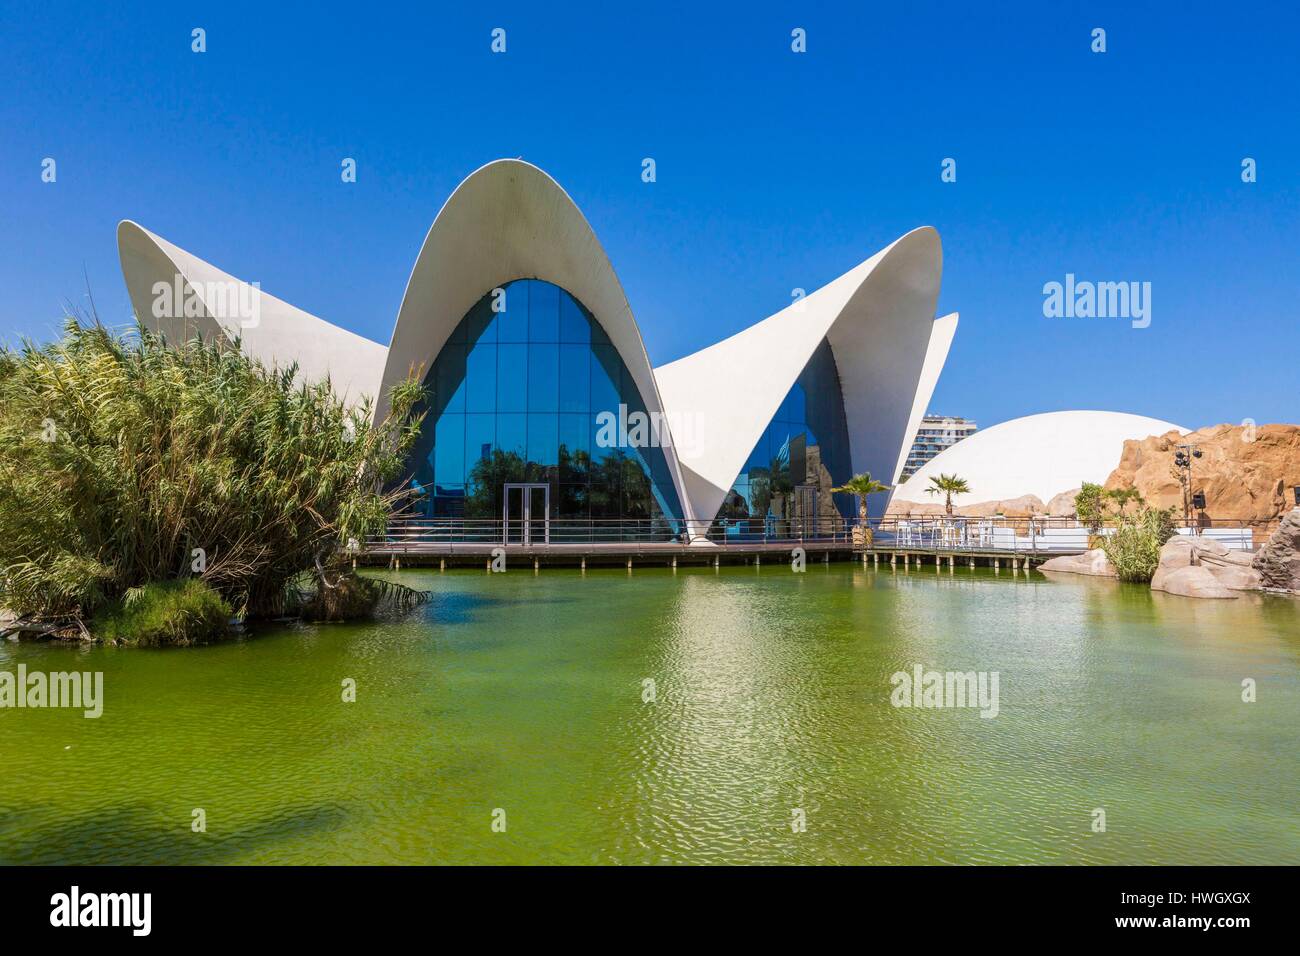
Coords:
775,169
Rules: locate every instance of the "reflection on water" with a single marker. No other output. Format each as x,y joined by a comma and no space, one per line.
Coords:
771,693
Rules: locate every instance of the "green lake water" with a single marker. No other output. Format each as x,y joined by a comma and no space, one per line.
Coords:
524,693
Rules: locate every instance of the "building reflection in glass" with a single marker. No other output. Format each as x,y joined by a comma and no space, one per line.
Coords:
514,397
785,485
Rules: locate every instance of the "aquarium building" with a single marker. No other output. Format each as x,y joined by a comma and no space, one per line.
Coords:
545,421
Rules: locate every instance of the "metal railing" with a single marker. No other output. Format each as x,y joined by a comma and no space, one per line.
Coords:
957,533
411,533
1040,534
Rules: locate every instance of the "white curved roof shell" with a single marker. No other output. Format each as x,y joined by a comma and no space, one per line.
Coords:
879,321
270,329
1041,455
509,220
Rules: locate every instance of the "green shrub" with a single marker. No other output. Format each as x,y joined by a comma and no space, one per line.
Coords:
1134,547
122,455
1090,506
168,613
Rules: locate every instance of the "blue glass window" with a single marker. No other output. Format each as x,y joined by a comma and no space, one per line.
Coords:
575,328
785,485
481,379
515,397
543,377
512,321
449,378
543,312
449,463
512,378
575,378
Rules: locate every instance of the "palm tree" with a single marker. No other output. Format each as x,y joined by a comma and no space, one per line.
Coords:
863,485
948,485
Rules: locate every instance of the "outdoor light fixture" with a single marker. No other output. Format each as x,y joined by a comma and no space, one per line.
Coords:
1183,462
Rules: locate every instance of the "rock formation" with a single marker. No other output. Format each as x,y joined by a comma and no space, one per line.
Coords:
1026,506
1199,567
1278,561
1062,505
1246,472
1092,562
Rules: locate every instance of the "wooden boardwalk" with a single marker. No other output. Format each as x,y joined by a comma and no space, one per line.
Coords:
673,554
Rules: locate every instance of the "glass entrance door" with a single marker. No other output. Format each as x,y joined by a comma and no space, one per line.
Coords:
526,515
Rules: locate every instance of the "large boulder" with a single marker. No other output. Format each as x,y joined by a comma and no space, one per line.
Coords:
1194,581
1026,506
1062,505
1199,567
1278,561
1246,471
916,509
1092,562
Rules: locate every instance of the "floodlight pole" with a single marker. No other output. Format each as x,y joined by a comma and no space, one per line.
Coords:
1183,460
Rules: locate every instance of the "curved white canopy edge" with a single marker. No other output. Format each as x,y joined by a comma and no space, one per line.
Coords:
879,321
936,355
162,280
509,220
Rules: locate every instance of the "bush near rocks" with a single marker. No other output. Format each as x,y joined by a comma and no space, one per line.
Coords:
1134,547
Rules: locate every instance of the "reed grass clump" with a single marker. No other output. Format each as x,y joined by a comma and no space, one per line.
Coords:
1133,548
128,461
167,613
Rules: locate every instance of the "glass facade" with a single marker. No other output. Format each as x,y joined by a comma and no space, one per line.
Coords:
524,391
785,486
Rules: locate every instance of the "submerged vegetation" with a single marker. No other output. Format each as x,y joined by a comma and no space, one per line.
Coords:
128,464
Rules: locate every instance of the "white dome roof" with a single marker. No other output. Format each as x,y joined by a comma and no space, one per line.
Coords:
1041,455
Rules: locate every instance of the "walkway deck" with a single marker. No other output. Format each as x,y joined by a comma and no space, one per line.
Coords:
657,553
606,552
